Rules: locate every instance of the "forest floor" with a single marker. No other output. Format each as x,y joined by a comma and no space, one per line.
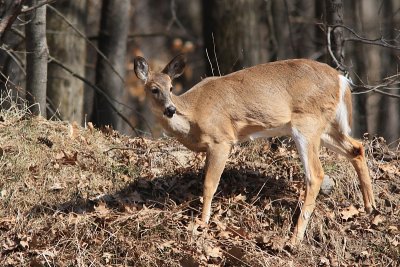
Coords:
72,196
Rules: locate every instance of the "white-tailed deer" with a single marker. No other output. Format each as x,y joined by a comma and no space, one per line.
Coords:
305,99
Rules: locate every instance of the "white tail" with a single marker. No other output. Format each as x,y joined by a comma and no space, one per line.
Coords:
307,100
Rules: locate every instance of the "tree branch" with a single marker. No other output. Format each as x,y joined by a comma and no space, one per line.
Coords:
28,9
386,82
378,41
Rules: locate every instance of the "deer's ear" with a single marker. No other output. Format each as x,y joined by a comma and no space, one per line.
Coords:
175,68
141,68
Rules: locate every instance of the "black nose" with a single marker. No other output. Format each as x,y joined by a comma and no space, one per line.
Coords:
170,111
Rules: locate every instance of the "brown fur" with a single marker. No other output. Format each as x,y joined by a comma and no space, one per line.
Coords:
293,97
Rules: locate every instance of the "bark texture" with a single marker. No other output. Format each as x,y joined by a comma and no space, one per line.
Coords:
334,15
36,59
235,28
114,27
65,92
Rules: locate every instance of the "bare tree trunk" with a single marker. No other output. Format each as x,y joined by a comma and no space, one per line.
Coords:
372,58
356,59
112,42
334,16
389,108
292,32
36,59
320,35
64,91
234,26
305,32
284,45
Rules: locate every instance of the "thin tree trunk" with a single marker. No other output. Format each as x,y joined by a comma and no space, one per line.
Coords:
114,27
64,91
36,59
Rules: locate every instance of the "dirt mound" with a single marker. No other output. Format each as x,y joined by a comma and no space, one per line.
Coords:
73,196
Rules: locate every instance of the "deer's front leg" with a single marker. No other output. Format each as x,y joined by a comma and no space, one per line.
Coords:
217,155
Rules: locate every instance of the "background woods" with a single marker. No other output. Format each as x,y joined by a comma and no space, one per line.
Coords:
80,196
73,59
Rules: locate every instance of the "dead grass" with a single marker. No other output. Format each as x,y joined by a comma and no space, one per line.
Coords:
81,197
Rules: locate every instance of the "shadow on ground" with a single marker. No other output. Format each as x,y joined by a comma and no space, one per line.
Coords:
183,190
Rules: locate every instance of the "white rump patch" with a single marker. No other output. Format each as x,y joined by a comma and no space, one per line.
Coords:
341,112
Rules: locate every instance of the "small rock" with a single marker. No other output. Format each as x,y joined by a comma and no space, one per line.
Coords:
327,185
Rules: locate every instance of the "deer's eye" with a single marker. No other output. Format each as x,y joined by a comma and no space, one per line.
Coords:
170,89
155,90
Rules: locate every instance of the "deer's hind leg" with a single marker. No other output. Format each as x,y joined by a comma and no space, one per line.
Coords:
308,144
353,150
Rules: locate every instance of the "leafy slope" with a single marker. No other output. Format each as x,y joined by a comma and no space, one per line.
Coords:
80,197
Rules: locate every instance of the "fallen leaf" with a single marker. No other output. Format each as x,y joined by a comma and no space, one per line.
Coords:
107,257
167,244
393,229
67,158
323,261
349,212
192,228
9,244
239,198
241,232
364,254
389,169
214,252
378,219
24,244
101,209
224,234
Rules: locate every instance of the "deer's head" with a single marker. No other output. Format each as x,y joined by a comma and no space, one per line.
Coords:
158,85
